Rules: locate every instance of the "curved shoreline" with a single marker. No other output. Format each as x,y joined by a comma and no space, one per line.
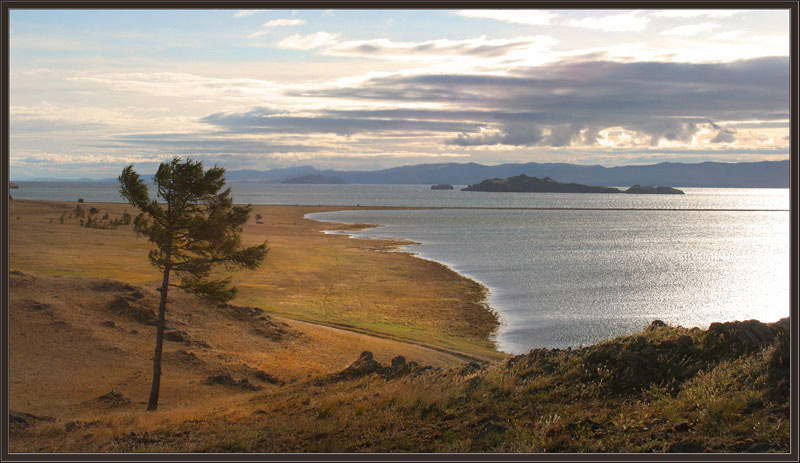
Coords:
487,291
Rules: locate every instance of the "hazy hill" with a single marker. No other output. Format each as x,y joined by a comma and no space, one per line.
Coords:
765,174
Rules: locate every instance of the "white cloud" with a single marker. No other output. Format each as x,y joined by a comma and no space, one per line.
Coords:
632,21
690,29
243,13
697,13
284,22
530,17
308,42
728,35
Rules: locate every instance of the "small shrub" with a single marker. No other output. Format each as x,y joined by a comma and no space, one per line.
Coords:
93,211
80,200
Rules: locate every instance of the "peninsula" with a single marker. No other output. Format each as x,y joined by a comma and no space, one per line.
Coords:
315,179
524,184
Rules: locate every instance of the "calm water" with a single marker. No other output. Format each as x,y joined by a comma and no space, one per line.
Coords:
566,277
422,195
562,278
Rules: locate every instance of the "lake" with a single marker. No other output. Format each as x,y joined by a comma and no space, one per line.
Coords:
577,268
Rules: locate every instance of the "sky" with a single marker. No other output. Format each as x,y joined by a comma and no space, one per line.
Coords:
92,91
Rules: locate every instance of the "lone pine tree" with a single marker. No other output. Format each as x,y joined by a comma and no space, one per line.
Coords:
194,229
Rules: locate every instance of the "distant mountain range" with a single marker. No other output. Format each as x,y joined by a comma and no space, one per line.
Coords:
765,174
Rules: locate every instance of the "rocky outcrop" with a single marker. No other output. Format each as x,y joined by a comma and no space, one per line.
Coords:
524,184
367,365
225,379
653,190
442,186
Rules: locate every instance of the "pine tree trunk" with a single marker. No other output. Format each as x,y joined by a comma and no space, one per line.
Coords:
162,312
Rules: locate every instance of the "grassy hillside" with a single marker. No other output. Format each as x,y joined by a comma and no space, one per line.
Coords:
308,275
240,381
284,368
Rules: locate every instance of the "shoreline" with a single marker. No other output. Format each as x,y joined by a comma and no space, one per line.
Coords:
402,248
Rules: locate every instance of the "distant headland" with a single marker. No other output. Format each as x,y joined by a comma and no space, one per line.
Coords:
524,184
315,179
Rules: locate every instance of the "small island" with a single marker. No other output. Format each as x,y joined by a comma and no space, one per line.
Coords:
657,190
442,186
524,184
315,179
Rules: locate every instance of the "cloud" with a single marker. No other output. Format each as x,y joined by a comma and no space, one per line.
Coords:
724,135
720,13
244,13
264,120
528,17
199,143
728,35
570,103
308,42
480,47
632,21
690,30
284,22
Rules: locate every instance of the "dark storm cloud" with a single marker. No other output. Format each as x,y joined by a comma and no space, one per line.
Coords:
573,100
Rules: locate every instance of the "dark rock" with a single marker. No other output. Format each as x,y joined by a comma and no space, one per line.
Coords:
366,365
114,399
122,306
683,426
656,324
225,379
176,336
19,421
109,324
470,368
657,190
740,336
267,378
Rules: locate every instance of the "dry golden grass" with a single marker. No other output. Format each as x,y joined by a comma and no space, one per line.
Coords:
311,276
63,356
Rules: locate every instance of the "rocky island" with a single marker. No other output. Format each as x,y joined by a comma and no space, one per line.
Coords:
442,186
524,184
315,179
